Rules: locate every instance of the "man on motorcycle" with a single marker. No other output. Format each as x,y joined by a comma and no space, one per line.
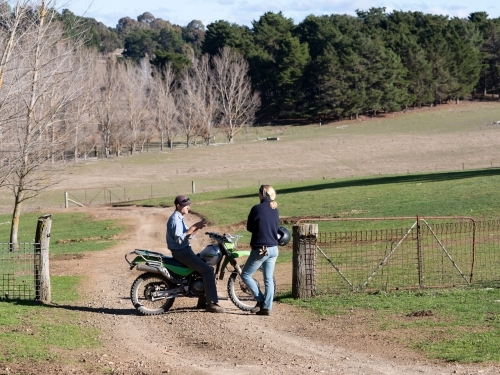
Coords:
178,236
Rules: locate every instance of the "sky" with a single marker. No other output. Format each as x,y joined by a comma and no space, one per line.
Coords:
243,12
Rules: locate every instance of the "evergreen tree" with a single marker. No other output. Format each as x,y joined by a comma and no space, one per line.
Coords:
277,64
95,34
140,43
465,41
403,40
324,82
194,35
221,34
489,81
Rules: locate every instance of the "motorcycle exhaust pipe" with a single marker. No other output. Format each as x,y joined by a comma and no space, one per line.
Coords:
161,270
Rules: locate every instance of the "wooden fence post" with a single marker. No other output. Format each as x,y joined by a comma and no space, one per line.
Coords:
42,274
304,260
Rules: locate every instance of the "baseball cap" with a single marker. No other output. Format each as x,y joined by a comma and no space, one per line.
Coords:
182,200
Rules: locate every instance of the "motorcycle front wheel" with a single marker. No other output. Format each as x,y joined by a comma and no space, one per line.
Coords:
147,294
240,294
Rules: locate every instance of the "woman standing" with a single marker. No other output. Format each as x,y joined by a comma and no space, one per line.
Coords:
263,223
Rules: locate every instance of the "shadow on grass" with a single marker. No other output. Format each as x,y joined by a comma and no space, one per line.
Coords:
99,310
399,179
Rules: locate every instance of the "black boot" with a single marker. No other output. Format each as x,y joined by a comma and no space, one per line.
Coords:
263,312
257,307
202,303
214,308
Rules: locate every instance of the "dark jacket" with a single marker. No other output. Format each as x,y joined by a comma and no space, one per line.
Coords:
263,224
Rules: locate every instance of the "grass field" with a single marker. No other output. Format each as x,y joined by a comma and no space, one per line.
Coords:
461,193
31,332
70,233
442,139
456,325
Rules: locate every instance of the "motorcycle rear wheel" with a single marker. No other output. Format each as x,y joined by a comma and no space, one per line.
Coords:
240,294
143,290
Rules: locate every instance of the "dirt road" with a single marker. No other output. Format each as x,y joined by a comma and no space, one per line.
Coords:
187,341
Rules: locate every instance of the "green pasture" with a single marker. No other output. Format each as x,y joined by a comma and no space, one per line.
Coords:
461,193
71,233
31,332
468,319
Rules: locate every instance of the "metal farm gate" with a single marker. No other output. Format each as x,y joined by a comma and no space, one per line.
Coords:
433,252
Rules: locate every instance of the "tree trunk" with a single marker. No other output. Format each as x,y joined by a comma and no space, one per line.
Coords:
75,155
16,215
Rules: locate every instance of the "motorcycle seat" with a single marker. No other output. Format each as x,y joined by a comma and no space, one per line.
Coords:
171,261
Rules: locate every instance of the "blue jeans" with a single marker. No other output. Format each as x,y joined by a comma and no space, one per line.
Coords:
267,262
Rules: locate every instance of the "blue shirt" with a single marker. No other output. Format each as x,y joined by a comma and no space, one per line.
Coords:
176,232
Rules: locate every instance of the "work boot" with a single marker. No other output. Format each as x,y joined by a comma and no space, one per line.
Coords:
215,308
257,307
202,303
263,312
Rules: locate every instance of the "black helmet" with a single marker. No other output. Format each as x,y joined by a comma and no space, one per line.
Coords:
283,236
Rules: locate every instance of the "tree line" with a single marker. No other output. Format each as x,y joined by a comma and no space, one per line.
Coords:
329,66
338,66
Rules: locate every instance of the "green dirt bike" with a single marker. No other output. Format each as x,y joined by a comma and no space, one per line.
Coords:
164,278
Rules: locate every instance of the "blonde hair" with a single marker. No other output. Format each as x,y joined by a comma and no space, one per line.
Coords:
268,191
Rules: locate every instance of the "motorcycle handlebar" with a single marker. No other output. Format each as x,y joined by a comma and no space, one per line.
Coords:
224,237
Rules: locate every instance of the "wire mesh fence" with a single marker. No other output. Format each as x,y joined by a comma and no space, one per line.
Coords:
431,253
487,252
17,275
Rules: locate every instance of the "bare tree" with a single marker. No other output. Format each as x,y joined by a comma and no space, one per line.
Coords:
107,107
11,20
238,101
188,105
78,120
43,73
147,132
163,103
209,105
137,91
198,102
